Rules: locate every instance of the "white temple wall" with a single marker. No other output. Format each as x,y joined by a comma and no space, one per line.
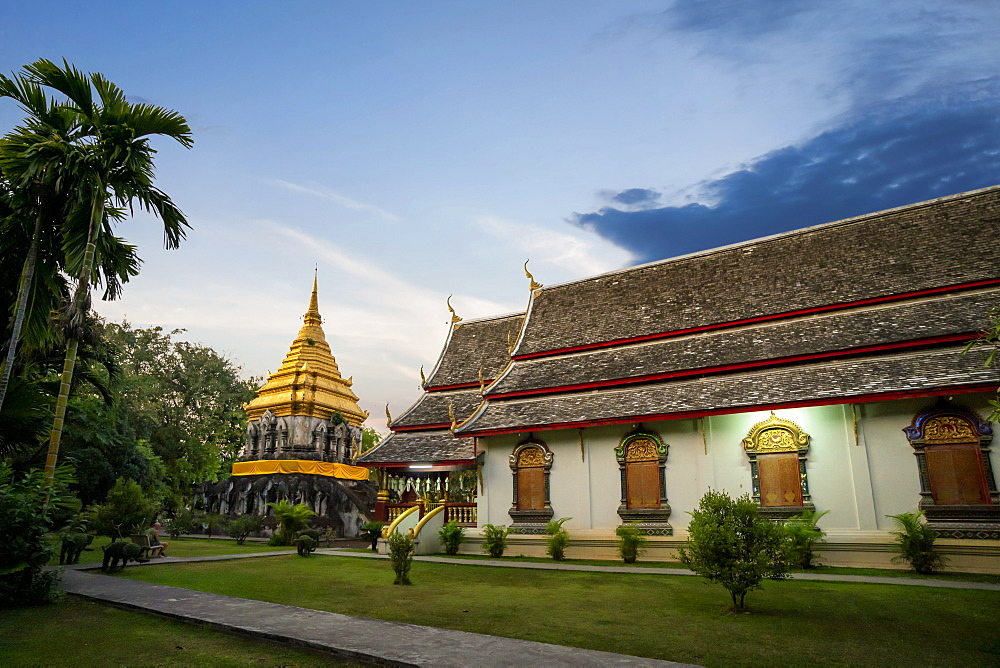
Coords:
859,483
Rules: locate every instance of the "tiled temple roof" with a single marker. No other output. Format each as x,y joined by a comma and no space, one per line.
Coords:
834,381
858,328
432,408
475,345
422,446
943,242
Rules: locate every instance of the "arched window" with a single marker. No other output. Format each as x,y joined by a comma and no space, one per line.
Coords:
777,450
957,488
642,458
531,509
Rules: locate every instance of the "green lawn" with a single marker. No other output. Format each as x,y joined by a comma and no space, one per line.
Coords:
76,632
180,547
827,570
670,617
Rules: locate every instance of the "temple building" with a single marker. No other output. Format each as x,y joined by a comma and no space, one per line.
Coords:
422,459
823,368
304,431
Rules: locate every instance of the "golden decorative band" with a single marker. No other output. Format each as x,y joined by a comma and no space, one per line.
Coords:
329,469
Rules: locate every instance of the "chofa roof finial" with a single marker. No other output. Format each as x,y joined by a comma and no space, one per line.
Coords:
454,316
534,284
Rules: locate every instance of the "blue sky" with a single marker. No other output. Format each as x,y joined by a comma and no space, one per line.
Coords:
417,150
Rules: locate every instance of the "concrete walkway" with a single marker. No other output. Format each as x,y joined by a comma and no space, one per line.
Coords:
352,638
388,643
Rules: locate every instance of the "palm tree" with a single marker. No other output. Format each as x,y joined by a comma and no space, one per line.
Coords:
35,210
292,518
107,163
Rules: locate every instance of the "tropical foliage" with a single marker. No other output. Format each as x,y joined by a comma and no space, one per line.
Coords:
495,539
914,542
74,165
291,518
803,535
24,523
451,537
557,539
372,531
989,338
630,542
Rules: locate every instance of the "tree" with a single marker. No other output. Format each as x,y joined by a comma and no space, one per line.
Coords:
108,162
24,524
184,399
989,338
292,518
39,211
126,510
730,543
369,439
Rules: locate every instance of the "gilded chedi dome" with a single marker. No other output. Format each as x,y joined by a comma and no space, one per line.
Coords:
308,383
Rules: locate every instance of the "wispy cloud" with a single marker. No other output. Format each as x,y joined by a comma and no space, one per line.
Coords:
580,254
327,194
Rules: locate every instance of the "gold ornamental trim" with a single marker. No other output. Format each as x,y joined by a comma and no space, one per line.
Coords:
641,449
530,457
776,434
949,429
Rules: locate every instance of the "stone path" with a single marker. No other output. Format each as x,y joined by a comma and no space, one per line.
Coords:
387,643
352,638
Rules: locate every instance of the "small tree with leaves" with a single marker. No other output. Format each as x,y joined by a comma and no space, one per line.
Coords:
730,543
401,550
989,338
244,525
127,510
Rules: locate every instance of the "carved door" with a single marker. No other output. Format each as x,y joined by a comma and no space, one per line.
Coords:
780,480
531,488
956,474
642,484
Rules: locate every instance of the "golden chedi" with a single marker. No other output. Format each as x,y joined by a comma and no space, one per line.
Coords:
299,410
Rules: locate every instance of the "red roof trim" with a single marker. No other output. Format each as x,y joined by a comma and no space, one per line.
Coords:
447,462
763,318
861,399
702,371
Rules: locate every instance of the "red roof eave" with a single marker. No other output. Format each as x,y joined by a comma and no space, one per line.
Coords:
705,371
860,399
763,318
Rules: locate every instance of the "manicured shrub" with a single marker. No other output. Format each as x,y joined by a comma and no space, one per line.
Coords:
495,539
451,536
401,557
914,541
803,535
312,533
276,539
730,543
372,531
558,539
630,542
305,545
244,525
